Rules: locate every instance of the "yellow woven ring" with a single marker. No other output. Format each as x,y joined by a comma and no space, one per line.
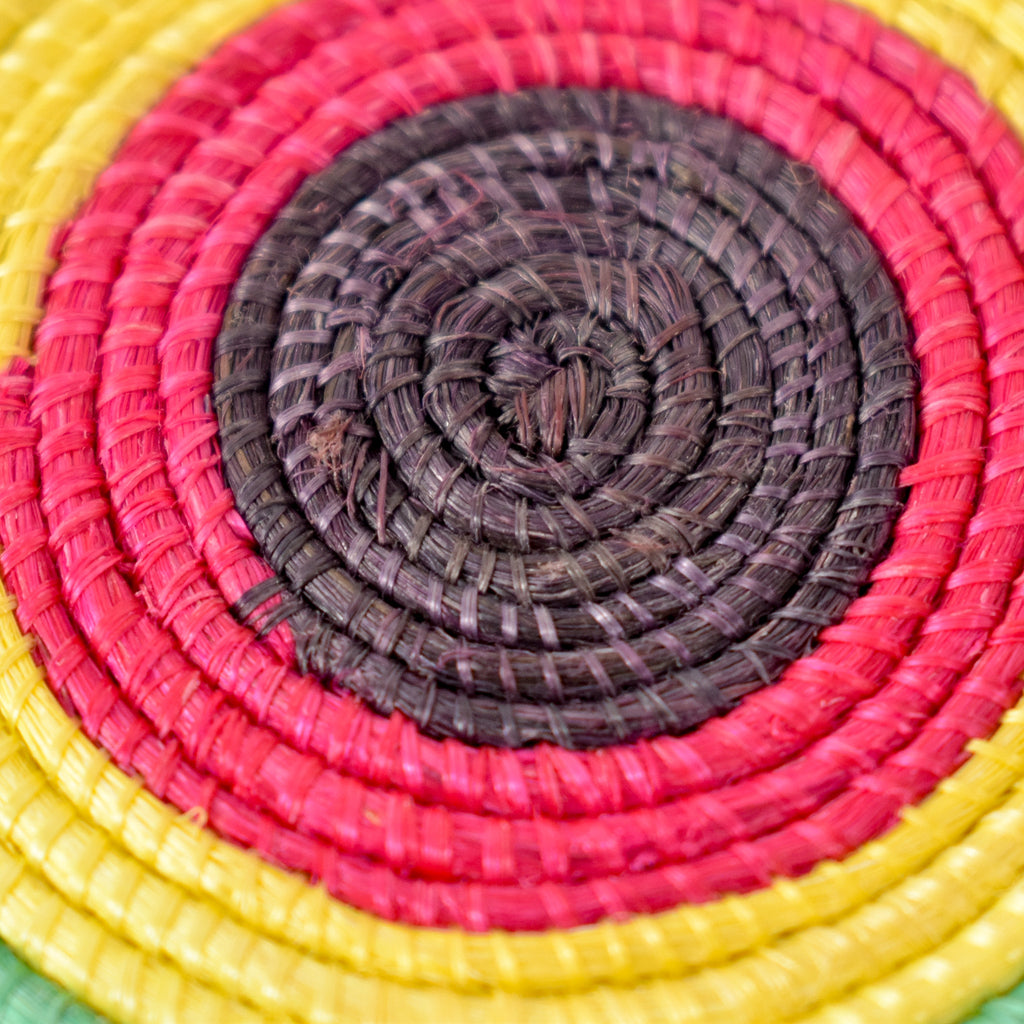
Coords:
147,917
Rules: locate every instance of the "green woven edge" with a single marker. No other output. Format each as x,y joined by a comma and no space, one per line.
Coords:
1008,1009
29,998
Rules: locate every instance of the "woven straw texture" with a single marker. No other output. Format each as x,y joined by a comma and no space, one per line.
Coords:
511,510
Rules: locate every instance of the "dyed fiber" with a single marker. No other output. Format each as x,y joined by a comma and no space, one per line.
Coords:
511,511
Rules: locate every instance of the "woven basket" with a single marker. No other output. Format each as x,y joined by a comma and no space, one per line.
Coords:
511,511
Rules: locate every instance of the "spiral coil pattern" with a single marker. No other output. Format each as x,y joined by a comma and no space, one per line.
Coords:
474,549
616,468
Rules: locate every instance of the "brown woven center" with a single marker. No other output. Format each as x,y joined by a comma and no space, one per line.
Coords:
585,415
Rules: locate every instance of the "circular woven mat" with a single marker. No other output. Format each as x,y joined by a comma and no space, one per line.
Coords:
511,511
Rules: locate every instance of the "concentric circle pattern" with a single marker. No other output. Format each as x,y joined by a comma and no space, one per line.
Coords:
616,455
511,510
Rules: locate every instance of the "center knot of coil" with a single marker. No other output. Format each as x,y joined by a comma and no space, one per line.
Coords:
549,378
